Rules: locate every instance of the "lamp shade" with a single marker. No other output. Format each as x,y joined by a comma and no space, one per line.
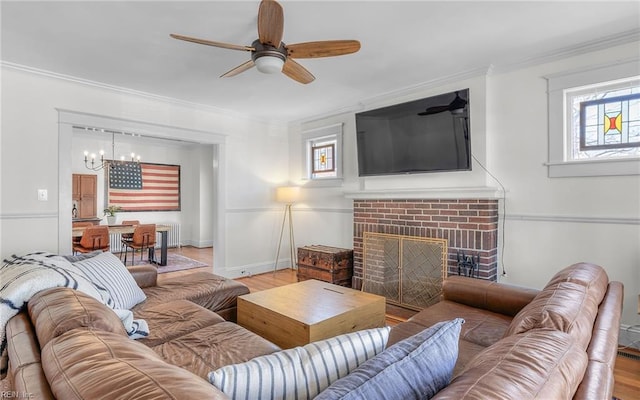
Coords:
287,194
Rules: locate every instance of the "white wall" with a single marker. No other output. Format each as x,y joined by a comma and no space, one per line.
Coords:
323,215
550,222
29,161
259,164
201,234
555,222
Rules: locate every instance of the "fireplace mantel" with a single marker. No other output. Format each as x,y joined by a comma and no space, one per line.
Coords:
474,192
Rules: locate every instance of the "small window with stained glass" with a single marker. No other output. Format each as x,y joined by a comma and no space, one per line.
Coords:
604,120
610,123
322,154
323,158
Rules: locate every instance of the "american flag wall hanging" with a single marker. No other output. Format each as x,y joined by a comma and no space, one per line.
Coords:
143,186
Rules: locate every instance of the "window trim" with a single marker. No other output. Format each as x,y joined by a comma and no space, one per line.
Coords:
558,165
315,135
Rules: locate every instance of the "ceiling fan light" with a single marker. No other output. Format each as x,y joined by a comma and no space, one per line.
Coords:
269,64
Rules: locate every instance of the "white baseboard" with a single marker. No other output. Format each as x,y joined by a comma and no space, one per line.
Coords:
199,244
629,336
255,269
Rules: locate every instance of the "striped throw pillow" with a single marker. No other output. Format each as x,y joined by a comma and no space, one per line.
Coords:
107,271
301,372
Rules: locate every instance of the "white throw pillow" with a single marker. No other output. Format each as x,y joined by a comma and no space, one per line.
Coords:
107,271
301,372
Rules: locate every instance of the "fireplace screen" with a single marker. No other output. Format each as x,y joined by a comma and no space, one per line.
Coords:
407,270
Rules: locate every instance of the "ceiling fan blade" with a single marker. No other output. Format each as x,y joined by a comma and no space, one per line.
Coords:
297,72
327,48
270,23
212,43
457,103
434,110
240,68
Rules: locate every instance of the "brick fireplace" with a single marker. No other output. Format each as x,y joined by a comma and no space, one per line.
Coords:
469,225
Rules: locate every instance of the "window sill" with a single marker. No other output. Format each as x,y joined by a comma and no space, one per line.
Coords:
583,168
323,182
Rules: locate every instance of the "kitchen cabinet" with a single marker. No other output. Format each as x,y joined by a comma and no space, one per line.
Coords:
85,196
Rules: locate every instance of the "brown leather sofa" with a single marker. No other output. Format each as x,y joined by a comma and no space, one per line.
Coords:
70,346
517,343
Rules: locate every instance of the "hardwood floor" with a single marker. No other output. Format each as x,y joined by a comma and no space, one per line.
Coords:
204,255
627,376
626,373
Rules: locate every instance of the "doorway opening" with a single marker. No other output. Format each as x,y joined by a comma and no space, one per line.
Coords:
204,222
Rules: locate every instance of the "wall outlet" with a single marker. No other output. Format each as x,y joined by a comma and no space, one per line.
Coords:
42,195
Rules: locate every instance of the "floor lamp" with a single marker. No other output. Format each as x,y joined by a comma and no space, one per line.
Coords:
287,195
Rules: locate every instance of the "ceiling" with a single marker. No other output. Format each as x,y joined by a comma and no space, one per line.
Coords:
404,44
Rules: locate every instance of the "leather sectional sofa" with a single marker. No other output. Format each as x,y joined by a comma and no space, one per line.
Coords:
517,343
556,343
70,346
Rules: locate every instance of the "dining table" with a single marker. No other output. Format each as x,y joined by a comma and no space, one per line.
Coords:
123,229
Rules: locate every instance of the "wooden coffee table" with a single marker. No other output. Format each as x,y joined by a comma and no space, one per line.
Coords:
303,312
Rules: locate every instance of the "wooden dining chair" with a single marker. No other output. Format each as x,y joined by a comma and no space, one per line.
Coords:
94,237
129,236
144,237
80,224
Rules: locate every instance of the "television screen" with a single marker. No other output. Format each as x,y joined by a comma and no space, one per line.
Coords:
426,135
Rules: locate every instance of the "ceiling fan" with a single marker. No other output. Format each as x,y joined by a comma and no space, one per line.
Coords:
270,55
455,107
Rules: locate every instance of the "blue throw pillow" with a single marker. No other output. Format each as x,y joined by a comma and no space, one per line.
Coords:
417,367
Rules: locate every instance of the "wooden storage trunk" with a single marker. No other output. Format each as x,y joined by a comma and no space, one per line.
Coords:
325,263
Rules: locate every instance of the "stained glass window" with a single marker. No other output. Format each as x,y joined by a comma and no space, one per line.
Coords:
610,123
323,158
604,120
322,155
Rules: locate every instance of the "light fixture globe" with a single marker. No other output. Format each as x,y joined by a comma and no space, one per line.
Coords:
269,64
268,59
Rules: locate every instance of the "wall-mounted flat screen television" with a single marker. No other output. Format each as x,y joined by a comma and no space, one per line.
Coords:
426,135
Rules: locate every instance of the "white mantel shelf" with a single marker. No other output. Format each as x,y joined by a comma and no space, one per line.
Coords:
478,192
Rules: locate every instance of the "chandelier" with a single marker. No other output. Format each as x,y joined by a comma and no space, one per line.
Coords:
91,160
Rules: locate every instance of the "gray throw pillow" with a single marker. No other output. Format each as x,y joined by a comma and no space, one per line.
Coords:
417,367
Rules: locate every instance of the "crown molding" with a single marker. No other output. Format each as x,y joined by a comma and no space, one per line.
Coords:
396,94
362,104
137,93
492,69
566,52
